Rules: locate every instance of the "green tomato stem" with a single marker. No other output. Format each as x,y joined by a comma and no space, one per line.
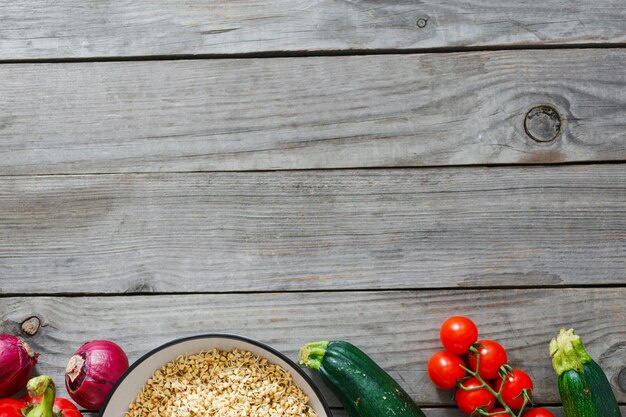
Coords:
525,403
496,394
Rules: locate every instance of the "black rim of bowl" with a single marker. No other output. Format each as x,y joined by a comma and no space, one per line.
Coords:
262,345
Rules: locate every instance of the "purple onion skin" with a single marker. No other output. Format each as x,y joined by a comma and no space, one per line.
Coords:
93,370
16,364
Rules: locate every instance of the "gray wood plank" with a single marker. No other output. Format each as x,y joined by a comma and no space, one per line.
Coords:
324,112
398,329
314,230
70,28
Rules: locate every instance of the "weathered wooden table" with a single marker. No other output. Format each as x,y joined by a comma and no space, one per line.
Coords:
304,170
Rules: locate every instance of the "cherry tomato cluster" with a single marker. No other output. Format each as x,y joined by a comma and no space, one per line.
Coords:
478,371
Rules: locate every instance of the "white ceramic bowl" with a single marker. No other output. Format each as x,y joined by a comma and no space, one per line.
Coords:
136,376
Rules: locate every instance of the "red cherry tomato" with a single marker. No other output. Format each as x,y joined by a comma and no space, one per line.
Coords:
469,401
515,383
444,369
492,357
457,334
538,412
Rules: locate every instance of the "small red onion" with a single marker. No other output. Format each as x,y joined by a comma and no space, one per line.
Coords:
16,363
93,370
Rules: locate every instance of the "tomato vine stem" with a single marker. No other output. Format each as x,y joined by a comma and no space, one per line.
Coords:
503,372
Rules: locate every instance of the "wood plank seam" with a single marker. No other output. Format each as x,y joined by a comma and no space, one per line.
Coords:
315,53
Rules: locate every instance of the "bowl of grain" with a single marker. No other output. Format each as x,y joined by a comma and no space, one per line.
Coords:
215,375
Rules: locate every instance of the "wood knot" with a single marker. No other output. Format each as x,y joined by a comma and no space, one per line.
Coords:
421,22
621,380
542,123
31,326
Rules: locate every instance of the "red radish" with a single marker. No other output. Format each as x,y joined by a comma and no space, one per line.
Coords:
16,364
93,370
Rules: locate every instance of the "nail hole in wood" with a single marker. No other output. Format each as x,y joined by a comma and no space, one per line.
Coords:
542,123
421,22
31,326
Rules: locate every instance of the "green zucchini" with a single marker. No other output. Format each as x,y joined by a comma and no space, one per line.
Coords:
364,389
584,388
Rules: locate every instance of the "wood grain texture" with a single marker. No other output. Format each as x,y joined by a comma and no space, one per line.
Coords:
324,112
73,29
314,230
398,329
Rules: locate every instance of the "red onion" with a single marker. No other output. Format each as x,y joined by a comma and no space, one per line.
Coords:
16,363
93,370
